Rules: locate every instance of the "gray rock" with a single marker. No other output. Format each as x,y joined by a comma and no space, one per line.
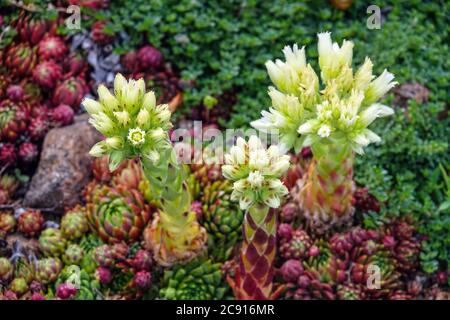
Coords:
64,168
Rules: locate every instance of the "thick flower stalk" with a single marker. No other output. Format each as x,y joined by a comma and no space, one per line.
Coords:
255,174
332,118
135,127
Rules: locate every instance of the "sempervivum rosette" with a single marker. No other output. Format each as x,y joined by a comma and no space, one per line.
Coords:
20,60
255,172
332,119
198,280
47,74
52,48
70,92
14,118
74,223
118,214
222,219
52,243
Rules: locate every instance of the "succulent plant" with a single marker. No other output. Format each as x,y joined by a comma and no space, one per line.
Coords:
47,74
98,34
130,176
329,268
70,92
38,128
75,65
52,48
309,287
14,118
6,270
118,214
28,153
103,275
15,93
86,287
142,280
255,174
296,246
350,292
48,270
30,222
62,115
7,222
364,266
291,270
73,255
20,60
74,223
103,256
52,243
31,29
135,126
206,173
24,266
8,157
88,243
332,120
19,286
222,219
8,183
364,201
197,280
66,291
149,58
4,83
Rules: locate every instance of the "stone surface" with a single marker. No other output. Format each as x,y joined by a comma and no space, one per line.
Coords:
64,168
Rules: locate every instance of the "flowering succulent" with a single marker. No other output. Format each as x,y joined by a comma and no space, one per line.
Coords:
333,120
340,113
130,120
135,127
255,173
